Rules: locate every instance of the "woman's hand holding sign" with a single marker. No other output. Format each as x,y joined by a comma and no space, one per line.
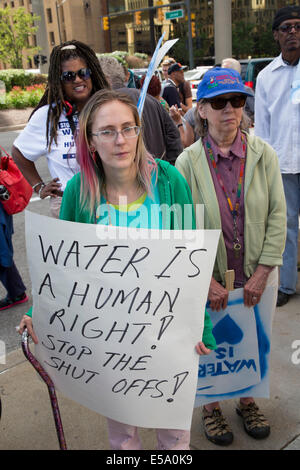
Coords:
254,288
217,295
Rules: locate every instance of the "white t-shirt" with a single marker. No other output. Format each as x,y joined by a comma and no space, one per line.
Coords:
277,119
32,143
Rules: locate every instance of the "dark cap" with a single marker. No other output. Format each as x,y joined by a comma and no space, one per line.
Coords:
175,68
286,13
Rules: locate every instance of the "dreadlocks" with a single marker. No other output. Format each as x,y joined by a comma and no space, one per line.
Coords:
53,95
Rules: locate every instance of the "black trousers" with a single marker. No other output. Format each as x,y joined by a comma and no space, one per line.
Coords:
12,281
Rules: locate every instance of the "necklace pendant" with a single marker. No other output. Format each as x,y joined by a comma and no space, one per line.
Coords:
237,249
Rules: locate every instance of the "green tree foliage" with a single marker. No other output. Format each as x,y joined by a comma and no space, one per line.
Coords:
16,25
265,44
249,40
242,39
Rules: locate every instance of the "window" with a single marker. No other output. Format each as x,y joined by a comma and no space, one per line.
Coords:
49,15
52,38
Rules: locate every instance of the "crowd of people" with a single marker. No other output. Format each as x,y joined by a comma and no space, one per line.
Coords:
176,153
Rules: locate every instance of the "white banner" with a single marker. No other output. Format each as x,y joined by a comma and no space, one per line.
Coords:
118,318
157,57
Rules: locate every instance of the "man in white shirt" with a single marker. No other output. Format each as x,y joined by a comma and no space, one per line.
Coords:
277,121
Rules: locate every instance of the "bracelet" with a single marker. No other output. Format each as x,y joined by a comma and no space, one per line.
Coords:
37,184
178,125
40,190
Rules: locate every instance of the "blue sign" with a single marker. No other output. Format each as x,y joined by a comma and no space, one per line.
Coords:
240,364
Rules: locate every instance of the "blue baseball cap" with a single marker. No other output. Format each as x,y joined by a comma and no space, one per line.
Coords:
218,81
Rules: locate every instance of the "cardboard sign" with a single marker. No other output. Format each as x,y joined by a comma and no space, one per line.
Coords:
118,315
240,364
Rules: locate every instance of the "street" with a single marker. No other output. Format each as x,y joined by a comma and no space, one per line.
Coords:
10,318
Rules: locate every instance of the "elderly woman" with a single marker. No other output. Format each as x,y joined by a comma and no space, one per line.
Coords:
236,177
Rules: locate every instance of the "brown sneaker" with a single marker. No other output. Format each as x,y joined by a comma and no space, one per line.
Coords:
255,423
216,428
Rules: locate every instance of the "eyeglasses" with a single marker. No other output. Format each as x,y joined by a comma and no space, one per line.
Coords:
108,135
219,102
287,28
70,76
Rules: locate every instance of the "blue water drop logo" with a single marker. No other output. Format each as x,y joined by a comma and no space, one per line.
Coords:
227,330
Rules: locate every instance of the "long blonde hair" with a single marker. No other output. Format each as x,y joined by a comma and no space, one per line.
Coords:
93,175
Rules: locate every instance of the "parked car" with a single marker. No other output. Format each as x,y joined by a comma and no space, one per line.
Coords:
251,68
195,76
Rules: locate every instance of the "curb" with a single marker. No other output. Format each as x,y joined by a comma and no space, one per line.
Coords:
12,128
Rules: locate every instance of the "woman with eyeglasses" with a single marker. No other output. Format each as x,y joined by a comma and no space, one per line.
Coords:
121,184
236,177
74,75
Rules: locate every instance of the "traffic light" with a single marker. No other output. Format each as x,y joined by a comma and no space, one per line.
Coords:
36,59
105,23
43,59
138,18
160,14
193,26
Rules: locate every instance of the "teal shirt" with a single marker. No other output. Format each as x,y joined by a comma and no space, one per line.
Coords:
171,189
142,213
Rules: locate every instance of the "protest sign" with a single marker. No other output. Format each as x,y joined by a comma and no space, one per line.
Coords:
118,318
240,364
159,53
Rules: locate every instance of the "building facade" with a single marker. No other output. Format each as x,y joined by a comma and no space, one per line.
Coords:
133,28
126,34
139,30
63,20
74,19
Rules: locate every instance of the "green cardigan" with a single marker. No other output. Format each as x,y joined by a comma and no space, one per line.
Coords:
264,202
173,191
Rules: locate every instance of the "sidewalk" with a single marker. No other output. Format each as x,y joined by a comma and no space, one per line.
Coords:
27,421
14,119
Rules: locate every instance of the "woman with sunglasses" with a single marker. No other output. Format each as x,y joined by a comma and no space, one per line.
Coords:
236,177
121,184
74,75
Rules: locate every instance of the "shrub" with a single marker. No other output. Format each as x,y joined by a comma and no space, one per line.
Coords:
18,77
134,62
23,98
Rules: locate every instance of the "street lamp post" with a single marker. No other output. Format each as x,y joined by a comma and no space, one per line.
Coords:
190,40
222,27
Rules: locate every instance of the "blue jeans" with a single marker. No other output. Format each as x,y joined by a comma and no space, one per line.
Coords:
12,281
288,271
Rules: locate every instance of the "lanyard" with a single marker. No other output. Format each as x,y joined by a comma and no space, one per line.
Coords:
233,210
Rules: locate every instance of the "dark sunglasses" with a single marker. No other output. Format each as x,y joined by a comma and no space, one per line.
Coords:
219,102
71,76
287,28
